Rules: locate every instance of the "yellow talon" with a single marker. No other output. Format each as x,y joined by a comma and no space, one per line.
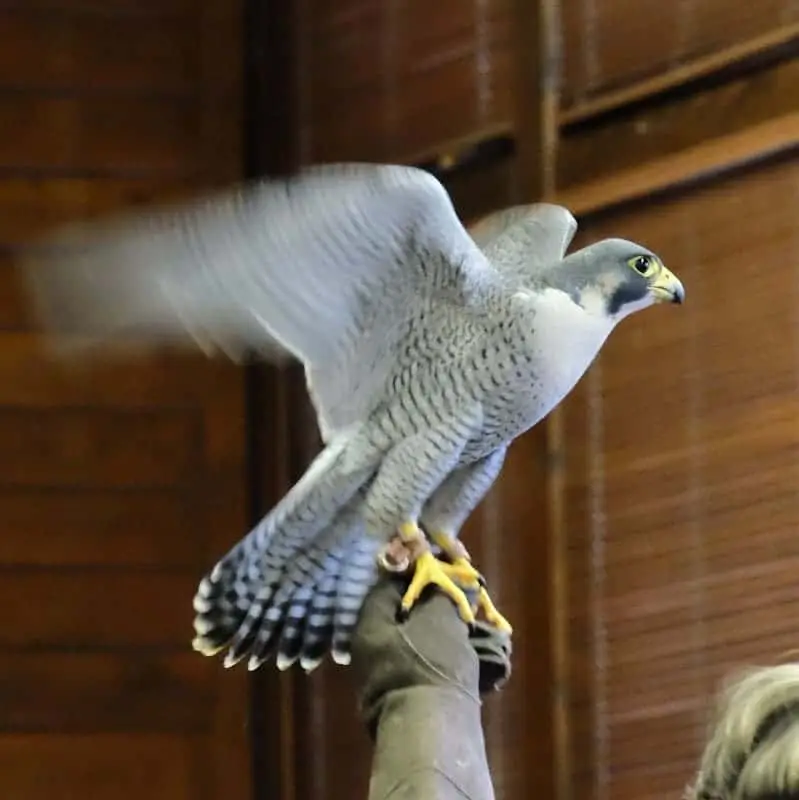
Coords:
454,549
461,570
493,617
429,570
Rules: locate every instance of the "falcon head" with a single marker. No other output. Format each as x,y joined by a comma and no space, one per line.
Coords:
615,277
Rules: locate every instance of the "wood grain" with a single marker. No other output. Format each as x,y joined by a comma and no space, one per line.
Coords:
96,767
681,493
30,206
57,49
759,142
407,79
123,476
702,66
104,693
623,42
624,142
104,133
94,527
36,380
84,448
97,609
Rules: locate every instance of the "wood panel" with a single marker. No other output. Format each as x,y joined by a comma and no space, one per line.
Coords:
104,693
82,447
86,608
122,478
65,526
614,43
387,81
96,767
36,380
57,132
58,48
618,144
29,205
124,8
682,474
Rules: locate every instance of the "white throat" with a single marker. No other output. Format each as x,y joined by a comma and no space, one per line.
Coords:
567,338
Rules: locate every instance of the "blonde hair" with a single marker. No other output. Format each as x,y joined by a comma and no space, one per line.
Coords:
753,749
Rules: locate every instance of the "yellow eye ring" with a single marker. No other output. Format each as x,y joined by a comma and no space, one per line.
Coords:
645,266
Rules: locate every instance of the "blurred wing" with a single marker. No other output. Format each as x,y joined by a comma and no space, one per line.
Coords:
324,266
521,240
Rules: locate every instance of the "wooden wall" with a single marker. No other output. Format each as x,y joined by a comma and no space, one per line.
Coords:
610,539
681,501
405,80
119,484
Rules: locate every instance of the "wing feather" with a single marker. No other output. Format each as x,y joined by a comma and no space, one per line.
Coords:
522,240
322,266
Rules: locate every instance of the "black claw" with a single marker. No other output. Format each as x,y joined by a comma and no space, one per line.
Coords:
402,614
481,581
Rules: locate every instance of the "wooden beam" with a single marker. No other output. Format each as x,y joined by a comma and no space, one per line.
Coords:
755,49
732,89
592,153
716,156
535,27
271,146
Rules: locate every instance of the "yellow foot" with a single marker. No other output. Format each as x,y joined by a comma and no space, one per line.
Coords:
429,570
464,573
493,617
452,548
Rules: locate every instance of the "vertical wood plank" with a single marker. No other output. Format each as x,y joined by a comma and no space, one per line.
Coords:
271,142
129,473
221,31
536,101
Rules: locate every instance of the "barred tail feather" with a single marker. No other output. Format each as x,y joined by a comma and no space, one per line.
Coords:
318,632
355,582
233,598
301,618
274,621
304,571
290,643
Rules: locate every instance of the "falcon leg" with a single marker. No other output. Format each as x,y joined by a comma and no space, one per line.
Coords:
429,570
445,513
462,571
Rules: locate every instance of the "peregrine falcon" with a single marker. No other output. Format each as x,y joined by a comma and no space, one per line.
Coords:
426,350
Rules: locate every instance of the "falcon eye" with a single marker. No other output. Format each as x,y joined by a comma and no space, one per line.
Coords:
643,265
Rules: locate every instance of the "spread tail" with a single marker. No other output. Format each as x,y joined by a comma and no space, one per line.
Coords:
249,582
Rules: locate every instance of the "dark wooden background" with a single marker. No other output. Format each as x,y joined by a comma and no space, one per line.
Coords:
117,484
642,541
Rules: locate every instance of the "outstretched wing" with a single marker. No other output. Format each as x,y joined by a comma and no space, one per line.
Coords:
325,266
522,240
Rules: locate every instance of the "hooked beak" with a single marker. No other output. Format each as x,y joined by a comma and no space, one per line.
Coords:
667,288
